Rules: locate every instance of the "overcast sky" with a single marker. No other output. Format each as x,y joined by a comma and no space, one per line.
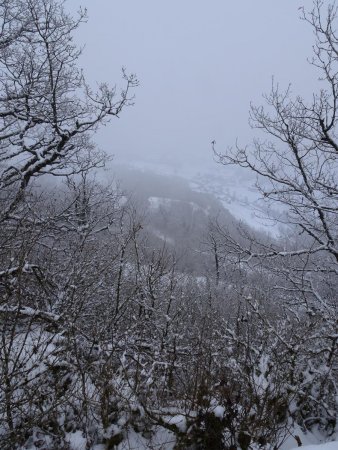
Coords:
200,64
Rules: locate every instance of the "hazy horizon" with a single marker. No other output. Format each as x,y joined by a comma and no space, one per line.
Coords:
199,66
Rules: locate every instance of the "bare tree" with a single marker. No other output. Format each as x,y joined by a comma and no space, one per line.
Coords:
52,253
296,165
47,109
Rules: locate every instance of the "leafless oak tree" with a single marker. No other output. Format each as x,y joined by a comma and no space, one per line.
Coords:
47,110
297,163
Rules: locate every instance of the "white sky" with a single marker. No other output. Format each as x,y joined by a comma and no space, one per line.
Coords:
200,64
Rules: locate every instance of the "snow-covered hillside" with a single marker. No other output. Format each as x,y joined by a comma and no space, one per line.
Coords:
234,187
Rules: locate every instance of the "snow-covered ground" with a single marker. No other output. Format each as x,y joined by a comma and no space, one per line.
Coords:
234,187
327,446
162,439
308,440
165,440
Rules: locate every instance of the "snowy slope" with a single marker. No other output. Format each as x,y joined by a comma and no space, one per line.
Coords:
327,446
234,187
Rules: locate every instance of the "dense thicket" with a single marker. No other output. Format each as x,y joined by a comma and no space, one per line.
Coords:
105,335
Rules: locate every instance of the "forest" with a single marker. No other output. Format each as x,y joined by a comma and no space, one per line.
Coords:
159,320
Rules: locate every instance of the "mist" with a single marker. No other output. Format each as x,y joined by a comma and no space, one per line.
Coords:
199,64
150,297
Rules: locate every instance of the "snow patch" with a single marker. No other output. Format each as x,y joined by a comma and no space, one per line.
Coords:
179,421
327,446
76,440
219,412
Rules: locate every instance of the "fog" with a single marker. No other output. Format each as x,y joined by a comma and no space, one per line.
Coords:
165,301
199,64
